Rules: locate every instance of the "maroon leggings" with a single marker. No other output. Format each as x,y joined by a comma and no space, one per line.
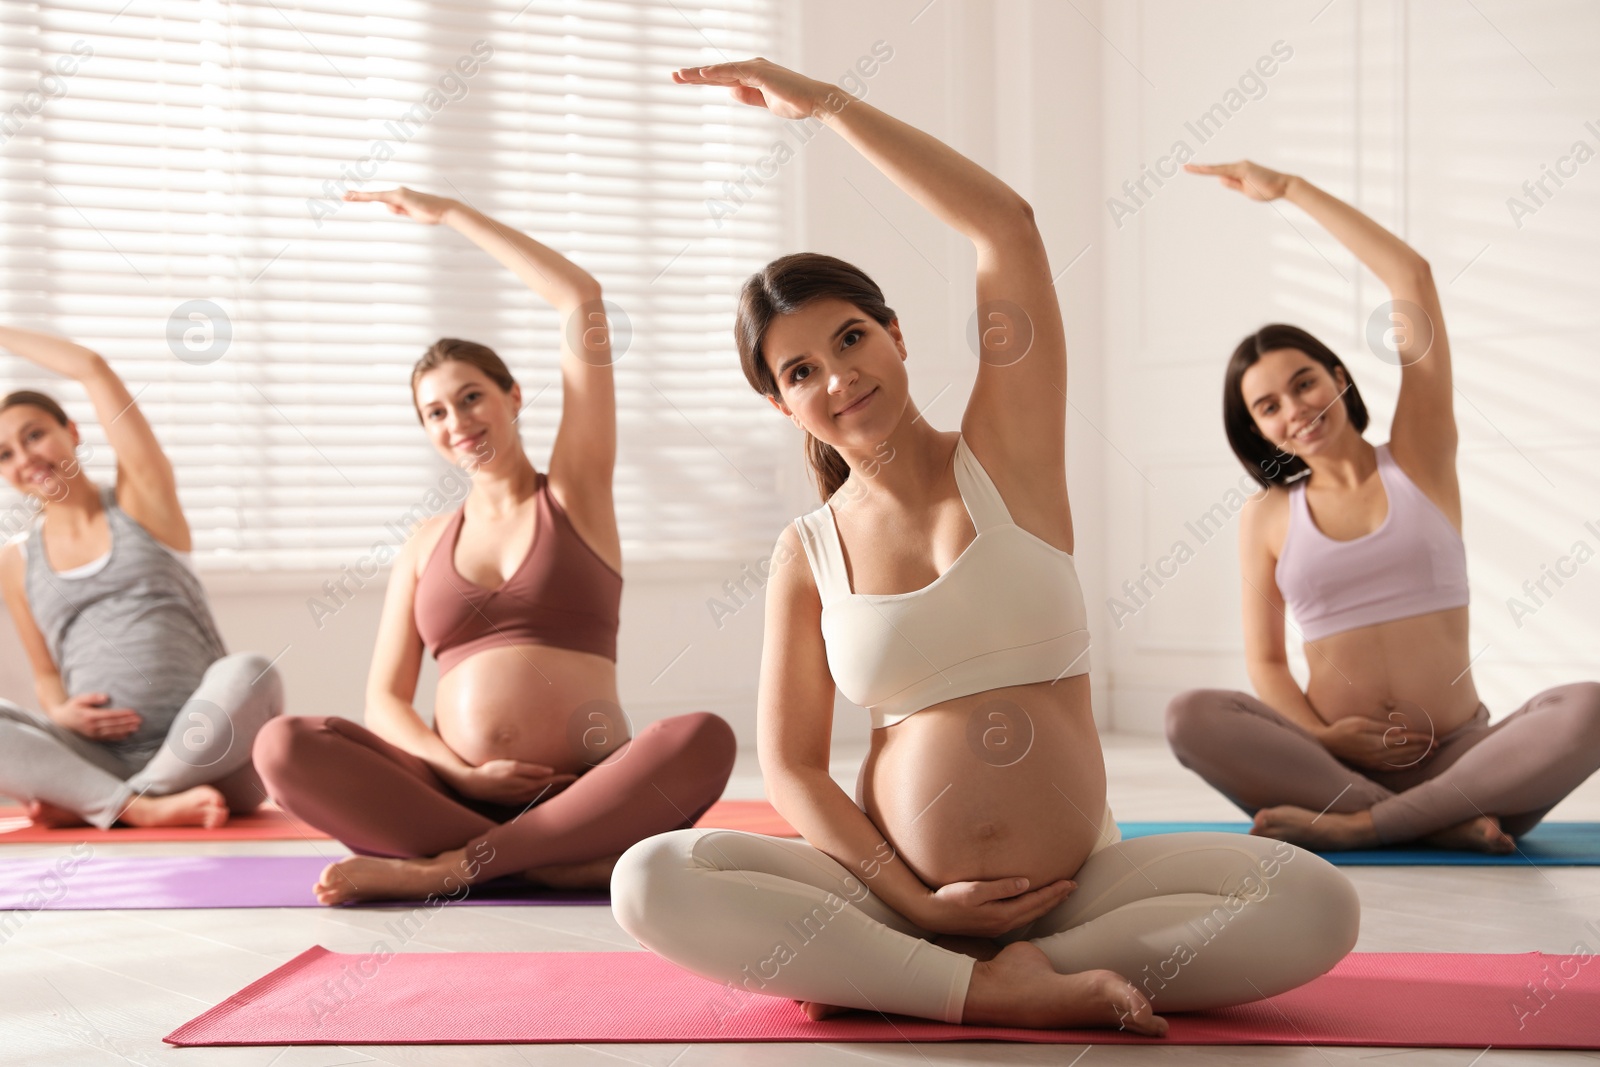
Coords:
380,800
1517,769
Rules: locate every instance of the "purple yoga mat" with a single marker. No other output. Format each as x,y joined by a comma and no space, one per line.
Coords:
104,883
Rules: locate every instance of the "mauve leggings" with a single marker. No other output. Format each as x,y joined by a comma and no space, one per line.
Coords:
380,800
1517,769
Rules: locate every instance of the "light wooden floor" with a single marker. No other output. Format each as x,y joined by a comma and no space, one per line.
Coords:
100,988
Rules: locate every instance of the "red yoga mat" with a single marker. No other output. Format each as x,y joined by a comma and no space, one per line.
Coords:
384,997
271,824
266,824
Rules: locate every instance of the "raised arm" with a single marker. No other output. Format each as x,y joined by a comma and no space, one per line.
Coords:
1016,416
146,487
1423,437
583,456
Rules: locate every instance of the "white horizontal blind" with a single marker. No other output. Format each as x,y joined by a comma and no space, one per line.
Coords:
161,152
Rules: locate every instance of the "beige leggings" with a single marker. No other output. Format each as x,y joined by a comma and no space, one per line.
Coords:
1195,920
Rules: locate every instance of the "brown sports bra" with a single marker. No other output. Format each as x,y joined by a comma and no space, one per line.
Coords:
563,594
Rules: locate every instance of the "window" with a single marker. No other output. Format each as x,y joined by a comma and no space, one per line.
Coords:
173,172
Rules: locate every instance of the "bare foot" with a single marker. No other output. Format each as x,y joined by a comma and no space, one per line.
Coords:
1482,834
43,813
378,878
594,874
200,806
816,1012
1020,988
1327,832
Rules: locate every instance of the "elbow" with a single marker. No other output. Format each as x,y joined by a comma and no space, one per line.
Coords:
585,290
1018,215
1418,273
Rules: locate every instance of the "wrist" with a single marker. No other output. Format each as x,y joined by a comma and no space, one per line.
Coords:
829,100
454,212
1293,186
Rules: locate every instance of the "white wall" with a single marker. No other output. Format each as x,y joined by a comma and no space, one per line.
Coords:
1428,116
956,71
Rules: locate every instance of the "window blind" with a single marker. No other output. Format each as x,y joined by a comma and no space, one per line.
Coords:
173,172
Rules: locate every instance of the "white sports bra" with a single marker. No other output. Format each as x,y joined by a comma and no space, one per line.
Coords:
1008,611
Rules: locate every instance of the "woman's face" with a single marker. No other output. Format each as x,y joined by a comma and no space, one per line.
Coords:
469,418
841,376
1295,401
37,454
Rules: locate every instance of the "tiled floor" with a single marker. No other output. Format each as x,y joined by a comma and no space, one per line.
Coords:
98,988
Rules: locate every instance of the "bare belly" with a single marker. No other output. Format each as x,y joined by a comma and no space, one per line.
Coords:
1419,664
533,703
1005,783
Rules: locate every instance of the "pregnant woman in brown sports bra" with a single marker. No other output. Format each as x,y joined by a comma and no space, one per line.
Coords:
529,768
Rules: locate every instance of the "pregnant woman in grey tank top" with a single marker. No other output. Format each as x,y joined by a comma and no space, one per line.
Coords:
147,719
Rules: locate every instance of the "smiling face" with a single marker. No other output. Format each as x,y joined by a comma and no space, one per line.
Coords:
1295,401
37,453
841,376
469,418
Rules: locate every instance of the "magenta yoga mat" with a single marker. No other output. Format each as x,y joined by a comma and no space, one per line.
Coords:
1528,1000
104,883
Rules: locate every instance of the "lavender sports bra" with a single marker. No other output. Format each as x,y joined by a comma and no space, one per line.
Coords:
1413,564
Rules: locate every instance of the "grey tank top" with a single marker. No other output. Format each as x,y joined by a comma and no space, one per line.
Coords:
138,628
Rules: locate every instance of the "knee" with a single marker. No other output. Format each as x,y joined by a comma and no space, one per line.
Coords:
708,740
1586,696
1326,910
259,677
1189,715
288,745
648,891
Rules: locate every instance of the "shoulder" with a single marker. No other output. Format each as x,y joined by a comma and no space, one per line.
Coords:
14,554
419,547
789,570
1264,518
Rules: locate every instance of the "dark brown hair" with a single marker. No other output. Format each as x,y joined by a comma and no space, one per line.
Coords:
783,287
1265,461
33,399
451,349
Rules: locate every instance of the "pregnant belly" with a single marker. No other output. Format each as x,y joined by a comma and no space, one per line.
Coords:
533,703
1408,672
1006,783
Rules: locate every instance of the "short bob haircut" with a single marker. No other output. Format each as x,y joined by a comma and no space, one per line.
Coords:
1265,462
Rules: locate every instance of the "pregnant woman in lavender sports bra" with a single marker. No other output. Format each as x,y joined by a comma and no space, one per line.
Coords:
1388,742
529,769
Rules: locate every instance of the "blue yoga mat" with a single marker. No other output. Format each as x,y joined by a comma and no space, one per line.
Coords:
1550,844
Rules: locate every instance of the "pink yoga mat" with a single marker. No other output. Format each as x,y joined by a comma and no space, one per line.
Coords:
388,997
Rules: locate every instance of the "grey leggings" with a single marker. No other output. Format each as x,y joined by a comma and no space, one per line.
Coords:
1194,920
208,743
1517,769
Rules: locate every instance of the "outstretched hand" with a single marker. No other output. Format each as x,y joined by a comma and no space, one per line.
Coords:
762,83
424,207
1251,179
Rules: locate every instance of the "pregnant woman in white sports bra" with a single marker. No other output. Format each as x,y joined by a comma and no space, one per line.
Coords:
979,876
